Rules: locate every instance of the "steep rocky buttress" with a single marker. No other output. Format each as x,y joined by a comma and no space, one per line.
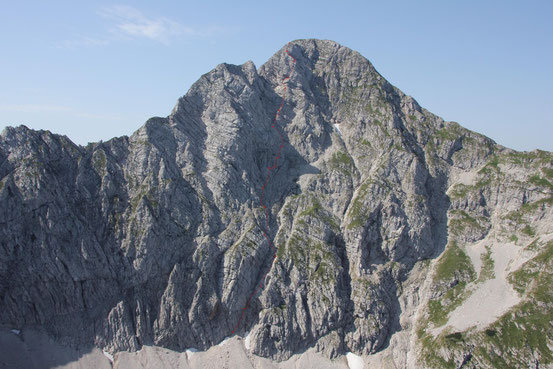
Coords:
389,222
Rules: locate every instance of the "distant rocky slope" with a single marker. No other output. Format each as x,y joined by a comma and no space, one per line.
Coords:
405,239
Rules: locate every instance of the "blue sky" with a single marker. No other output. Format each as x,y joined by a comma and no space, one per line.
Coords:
98,69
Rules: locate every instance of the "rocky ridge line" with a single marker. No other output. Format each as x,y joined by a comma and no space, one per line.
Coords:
156,239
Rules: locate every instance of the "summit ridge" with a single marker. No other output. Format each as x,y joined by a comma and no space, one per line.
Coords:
384,227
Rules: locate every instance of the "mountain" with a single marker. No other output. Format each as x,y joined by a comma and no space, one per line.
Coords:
353,221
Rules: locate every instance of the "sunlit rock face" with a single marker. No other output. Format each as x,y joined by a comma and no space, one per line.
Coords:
386,219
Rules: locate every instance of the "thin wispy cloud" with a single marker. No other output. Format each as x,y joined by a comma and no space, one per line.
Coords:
131,22
124,23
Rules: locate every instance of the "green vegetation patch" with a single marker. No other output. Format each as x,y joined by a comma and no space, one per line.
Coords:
365,142
457,336
144,193
548,172
488,174
340,158
487,268
99,162
519,216
246,245
540,182
342,162
516,338
357,211
313,258
317,211
453,262
460,191
462,221
528,230
360,99
313,210
430,355
536,158
439,309
526,330
453,265
449,133
521,278
382,127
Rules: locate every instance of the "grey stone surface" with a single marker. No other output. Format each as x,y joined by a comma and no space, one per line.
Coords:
31,349
157,239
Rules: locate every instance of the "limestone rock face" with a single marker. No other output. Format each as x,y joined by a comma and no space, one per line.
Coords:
375,207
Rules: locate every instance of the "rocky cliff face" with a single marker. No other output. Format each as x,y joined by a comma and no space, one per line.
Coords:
393,227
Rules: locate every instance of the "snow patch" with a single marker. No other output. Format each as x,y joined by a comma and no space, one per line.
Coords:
223,341
189,352
16,331
354,361
337,128
108,355
248,340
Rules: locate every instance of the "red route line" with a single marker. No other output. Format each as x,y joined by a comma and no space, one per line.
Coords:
266,230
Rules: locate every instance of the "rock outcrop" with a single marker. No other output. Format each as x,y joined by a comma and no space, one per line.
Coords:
386,218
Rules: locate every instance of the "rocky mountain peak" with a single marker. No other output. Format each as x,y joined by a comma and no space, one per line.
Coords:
384,216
